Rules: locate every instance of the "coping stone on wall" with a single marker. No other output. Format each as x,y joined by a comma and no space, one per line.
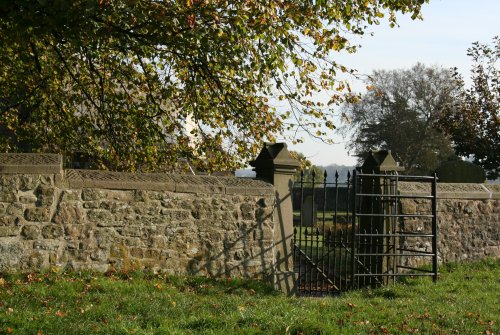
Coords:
246,186
450,190
197,184
166,182
494,189
30,163
119,180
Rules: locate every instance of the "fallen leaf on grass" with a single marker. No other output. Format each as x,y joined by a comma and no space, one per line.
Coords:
366,322
351,305
60,314
384,330
9,330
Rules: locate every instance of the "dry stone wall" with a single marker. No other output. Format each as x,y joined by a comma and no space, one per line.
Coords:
468,221
103,221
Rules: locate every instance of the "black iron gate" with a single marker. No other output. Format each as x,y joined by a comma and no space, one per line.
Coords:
362,231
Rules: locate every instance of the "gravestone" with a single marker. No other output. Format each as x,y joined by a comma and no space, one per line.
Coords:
460,172
309,212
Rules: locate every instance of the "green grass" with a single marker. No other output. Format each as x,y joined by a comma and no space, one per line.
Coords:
466,300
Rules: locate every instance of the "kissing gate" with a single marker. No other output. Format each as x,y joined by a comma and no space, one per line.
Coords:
355,233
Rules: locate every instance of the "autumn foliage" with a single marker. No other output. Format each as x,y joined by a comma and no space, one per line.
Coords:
136,85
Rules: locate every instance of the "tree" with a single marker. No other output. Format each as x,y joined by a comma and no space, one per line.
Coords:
307,168
136,85
472,119
397,113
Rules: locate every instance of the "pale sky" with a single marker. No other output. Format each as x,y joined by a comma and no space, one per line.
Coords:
449,28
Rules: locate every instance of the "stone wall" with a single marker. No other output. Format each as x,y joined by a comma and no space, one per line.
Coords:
97,220
468,221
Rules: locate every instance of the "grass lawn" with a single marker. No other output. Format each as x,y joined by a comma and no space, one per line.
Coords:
466,300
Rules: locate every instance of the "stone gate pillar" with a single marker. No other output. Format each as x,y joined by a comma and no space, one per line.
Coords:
275,165
380,163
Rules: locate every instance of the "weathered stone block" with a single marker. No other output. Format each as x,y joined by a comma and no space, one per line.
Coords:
492,251
132,231
91,205
38,214
98,216
9,231
262,214
247,211
157,242
70,195
76,231
28,182
7,195
140,196
30,232
51,245
89,194
137,252
147,208
152,253
408,207
111,223
68,213
174,214
45,195
15,209
265,202
27,199
8,220
52,231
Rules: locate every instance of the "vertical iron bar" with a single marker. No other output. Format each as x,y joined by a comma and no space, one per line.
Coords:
295,254
346,268
353,228
335,219
328,259
434,229
307,265
301,277
323,233
340,272
387,221
373,247
394,228
313,222
317,262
